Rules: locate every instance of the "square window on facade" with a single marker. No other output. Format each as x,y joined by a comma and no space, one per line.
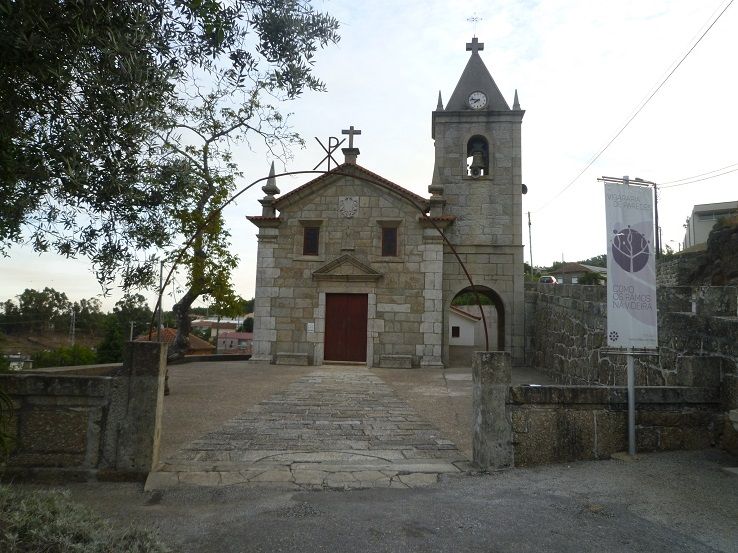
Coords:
455,332
311,239
389,241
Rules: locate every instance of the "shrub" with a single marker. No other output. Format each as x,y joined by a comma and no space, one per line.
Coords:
65,357
48,521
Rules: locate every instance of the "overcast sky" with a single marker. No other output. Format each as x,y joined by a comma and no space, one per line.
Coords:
581,67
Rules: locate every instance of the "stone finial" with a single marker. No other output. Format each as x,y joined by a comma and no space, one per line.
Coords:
270,188
516,103
437,201
439,106
436,188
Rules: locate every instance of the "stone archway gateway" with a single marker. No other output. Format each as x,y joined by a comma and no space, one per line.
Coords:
465,326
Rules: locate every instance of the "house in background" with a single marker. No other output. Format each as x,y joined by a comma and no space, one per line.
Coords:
571,273
703,218
235,342
198,346
466,332
18,361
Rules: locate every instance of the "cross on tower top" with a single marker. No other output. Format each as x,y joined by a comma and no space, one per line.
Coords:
474,45
351,132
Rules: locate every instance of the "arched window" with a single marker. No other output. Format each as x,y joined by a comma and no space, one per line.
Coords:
477,156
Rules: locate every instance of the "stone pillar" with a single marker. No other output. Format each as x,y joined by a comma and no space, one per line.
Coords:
139,402
265,328
492,434
432,319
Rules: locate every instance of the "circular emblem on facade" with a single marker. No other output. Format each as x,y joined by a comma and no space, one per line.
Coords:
614,336
348,206
630,249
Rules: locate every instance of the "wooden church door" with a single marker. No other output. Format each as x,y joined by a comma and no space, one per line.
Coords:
345,327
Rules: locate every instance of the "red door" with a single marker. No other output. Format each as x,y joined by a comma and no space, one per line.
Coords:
345,327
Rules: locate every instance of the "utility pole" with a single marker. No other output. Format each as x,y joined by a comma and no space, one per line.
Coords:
72,329
130,335
530,245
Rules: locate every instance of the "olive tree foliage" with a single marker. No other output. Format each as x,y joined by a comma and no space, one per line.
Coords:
117,120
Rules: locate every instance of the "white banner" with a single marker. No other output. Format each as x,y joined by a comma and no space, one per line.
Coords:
631,267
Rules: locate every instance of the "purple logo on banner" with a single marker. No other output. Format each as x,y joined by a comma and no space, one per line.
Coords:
630,249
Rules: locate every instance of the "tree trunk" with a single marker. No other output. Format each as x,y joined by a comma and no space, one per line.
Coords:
184,325
182,308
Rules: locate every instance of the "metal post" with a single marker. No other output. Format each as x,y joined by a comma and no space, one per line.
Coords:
130,334
656,220
530,246
631,405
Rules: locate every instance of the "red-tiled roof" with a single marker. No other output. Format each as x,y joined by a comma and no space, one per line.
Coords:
350,169
168,335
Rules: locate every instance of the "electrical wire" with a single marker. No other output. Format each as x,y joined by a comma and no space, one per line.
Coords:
697,180
697,176
637,111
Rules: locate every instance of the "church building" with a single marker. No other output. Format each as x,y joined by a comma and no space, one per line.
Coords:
353,268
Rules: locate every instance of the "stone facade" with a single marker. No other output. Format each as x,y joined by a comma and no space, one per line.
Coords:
403,292
475,199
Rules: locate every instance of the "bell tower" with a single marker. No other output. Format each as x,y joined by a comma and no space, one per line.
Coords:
478,166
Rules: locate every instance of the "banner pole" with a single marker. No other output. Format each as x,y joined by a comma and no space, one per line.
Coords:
631,405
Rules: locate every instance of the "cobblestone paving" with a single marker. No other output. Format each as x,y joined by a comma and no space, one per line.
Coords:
339,427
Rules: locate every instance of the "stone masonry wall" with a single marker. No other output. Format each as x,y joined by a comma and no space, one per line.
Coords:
71,426
676,271
534,425
558,424
698,340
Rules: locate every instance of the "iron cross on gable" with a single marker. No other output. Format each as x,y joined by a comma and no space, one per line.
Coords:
474,45
333,144
351,132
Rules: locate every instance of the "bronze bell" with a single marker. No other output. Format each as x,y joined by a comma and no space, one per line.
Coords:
478,164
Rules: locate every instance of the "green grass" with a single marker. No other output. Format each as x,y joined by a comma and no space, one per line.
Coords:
49,522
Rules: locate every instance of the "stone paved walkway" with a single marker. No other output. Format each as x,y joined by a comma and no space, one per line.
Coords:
338,427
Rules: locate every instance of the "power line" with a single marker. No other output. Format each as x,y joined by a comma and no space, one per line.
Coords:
638,110
663,184
699,180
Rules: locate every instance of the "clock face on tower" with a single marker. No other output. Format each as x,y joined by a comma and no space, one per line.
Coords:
477,100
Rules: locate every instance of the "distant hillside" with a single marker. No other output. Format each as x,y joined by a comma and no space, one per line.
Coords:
33,342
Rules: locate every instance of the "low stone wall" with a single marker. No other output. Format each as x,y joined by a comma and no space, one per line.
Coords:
556,424
74,426
534,425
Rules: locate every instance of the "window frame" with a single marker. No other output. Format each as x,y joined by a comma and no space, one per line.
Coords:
306,230
385,243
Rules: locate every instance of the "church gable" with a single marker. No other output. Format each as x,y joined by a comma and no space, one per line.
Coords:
363,177
347,268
